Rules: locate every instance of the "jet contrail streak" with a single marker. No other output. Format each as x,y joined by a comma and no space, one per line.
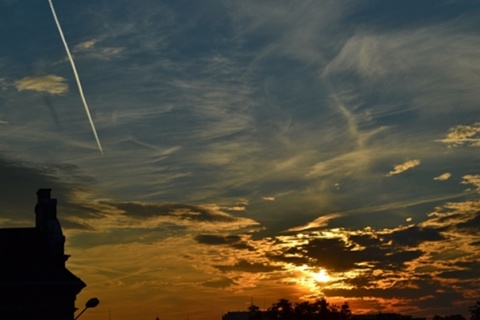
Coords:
80,89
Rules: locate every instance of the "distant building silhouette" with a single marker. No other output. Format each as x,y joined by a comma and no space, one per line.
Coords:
238,315
34,282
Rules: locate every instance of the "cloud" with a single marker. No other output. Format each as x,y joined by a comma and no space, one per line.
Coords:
233,241
390,263
268,198
3,84
105,53
49,84
245,266
217,240
452,214
341,250
463,135
82,46
220,283
317,223
89,49
21,180
472,179
108,215
382,59
443,177
413,236
349,251
182,211
292,37
404,167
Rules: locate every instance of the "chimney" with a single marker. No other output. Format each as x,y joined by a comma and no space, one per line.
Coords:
46,220
46,208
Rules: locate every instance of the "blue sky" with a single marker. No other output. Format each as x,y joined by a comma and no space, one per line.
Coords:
248,145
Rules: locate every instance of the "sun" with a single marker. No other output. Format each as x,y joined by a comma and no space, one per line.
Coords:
321,276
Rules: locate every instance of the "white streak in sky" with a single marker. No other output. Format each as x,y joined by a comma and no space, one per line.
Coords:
80,89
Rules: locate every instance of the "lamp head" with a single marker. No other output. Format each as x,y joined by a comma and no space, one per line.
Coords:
92,303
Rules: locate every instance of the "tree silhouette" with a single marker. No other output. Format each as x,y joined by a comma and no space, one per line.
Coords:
255,313
282,310
304,310
475,311
319,309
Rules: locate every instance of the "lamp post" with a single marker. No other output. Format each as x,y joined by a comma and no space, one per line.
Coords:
92,303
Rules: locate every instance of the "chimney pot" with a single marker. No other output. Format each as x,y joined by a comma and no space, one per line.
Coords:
43,194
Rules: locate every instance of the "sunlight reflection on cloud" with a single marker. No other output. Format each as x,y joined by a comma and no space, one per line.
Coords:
52,84
404,167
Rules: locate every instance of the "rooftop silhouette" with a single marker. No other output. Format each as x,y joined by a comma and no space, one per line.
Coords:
34,281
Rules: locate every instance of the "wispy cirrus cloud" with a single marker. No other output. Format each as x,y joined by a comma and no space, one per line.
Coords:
108,215
3,84
90,49
320,222
85,45
52,84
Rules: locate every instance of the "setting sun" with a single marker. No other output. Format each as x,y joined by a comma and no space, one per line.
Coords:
321,276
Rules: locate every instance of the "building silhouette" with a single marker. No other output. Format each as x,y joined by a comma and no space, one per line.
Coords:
242,315
34,281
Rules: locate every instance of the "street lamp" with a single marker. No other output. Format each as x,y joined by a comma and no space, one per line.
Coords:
92,303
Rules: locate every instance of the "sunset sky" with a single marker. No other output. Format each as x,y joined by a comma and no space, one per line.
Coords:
253,150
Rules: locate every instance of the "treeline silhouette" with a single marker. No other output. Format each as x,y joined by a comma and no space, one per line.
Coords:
320,309
474,314
285,310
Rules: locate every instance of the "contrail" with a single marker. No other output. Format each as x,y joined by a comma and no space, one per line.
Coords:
80,89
